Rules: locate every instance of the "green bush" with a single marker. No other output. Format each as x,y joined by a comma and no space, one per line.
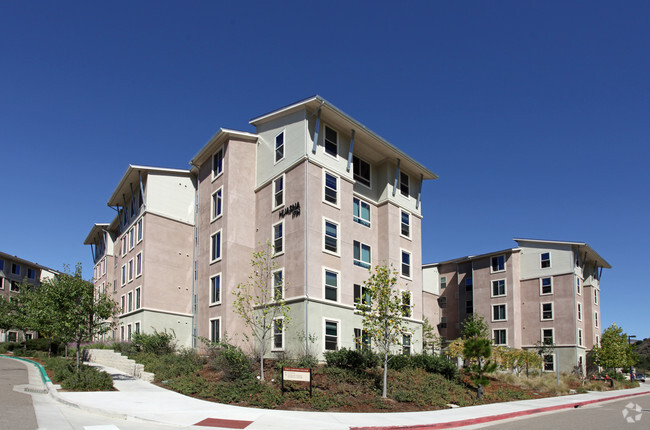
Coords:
10,346
43,344
430,363
352,359
171,365
231,360
88,378
126,348
158,342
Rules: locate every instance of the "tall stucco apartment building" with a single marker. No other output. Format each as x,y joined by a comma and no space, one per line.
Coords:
538,292
13,272
333,197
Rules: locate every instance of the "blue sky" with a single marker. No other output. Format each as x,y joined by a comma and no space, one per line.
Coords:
533,114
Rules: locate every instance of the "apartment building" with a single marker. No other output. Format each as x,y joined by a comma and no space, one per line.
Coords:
334,198
13,272
540,291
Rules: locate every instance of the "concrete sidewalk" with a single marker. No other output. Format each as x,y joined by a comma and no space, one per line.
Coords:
146,401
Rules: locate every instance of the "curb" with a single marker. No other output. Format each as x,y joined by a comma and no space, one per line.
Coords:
40,368
499,417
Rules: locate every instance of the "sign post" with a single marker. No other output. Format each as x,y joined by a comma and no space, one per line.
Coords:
298,374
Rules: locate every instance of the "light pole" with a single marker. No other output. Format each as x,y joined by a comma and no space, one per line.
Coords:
629,343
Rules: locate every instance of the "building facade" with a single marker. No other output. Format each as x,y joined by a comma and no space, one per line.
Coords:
539,292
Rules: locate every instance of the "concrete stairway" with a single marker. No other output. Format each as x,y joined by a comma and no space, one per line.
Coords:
110,358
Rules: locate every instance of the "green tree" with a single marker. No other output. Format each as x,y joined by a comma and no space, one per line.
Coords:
260,303
477,347
430,339
383,316
614,350
475,326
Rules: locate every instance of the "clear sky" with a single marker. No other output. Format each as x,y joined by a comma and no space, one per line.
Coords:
535,115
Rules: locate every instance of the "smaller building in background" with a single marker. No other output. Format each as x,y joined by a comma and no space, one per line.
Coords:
542,291
13,272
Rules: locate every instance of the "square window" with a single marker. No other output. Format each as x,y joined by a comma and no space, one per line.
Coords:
547,311
215,246
443,282
278,284
278,334
217,163
499,288
405,226
279,147
331,189
331,236
15,269
406,264
278,192
361,171
500,337
215,289
331,141
546,286
31,273
14,286
545,260
331,335
361,254
216,204
498,263
278,238
406,303
361,297
404,184
331,285
499,312
361,211
215,330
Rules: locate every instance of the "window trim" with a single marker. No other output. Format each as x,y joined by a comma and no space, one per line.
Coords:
123,275
354,175
2,283
552,356
137,302
338,333
357,218
505,330
492,264
505,308
409,225
139,227
408,184
338,189
325,140
410,264
273,346
541,286
275,146
338,284
137,325
122,304
220,170
124,244
211,296
364,300
131,238
441,283
579,311
275,206
214,204
505,288
138,271
409,336
409,293
541,311
596,319
578,286
581,338
337,238
213,258
210,329
273,286
541,260
541,335
129,301
281,238
360,262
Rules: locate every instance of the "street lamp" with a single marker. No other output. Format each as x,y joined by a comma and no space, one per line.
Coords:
629,343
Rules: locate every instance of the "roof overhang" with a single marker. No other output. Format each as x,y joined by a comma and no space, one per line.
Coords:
337,117
10,257
97,229
471,257
217,140
582,247
132,176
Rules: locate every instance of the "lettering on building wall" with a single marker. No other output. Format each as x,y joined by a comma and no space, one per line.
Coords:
293,210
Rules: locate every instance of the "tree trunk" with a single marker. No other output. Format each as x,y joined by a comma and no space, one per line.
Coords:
78,352
383,393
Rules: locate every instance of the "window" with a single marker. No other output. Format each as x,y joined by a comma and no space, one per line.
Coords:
579,337
2,283
443,322
361,297
545,260
578,286
217,163
361,171
361,340
597,341
406,303
14,286
131,272
499,312
443,282
361,212
278,284
215,246
123,276
499,288
361,255
549,362
548,337
596,318
122,303
331,237
330,192
31,273
331,335
469,307
15,269
500,337
405,229
2,265
138,264
278,192
406,264
468,284
216,204
138,302
215,330
122,333
404,184
131,238
129,301
331,141
278,334
279,147
215,289
278,238
331,285
406,344
140,232
137,327
442,302
579,311
498,263
547,311
545,286
124,245
595,297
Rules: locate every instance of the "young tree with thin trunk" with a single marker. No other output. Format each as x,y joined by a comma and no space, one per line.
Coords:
614,350
260,301
383,316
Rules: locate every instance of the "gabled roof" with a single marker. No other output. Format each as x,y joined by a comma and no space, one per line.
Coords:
471,257
380,144
217,140
581,246
131,176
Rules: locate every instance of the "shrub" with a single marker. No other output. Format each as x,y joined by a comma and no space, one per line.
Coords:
429,363
231,360
88,378
171,365
156,342
352,359
10,346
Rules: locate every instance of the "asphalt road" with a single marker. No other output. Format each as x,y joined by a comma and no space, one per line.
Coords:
617,414
16,409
